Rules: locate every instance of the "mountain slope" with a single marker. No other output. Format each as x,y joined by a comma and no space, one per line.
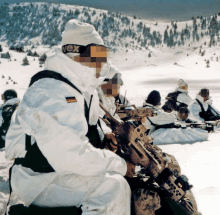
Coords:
42,23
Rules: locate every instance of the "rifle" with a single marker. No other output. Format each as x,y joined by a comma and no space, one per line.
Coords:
205,126
136,147
213,123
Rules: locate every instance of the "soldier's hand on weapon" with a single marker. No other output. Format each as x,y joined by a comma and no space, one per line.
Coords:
130,170
120,122
112,143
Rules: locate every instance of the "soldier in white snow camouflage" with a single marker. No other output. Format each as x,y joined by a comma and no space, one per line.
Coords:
59,114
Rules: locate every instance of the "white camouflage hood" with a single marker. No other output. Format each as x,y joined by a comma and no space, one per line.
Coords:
181,90
11,102
206,103
81,76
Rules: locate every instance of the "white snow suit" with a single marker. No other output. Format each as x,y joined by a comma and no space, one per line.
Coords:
195,108
175,99
161,118
183,97
179,135
84,175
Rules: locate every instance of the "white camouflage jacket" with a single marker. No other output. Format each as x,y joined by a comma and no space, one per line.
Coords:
195,108
183,97
59,128
161,118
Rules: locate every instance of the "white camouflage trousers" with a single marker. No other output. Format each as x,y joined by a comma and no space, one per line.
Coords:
108,195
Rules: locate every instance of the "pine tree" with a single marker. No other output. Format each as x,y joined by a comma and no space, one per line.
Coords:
25,61
35,54
1,48
29,53
182,37
203,26
77,12
6,55
175,28
207,63
42,58
140,26
19,48
165,37
170,41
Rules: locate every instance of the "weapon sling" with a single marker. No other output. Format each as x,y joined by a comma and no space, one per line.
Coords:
200,104
205,113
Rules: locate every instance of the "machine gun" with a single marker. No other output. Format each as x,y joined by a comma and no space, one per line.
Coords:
132,112
136,147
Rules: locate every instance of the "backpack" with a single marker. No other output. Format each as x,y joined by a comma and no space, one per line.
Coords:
171,104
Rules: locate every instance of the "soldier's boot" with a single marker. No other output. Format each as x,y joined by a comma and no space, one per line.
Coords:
146,202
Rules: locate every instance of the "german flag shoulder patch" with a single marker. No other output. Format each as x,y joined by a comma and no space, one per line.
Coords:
71,99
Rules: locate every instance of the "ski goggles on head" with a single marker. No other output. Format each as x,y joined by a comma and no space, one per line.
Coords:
91,50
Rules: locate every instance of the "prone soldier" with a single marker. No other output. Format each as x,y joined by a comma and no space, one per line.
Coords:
184,121
178,98
201,108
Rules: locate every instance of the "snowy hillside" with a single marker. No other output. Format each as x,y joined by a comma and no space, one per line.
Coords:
42,23
144,66
141,74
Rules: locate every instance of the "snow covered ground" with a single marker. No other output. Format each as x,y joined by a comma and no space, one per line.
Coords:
199,161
